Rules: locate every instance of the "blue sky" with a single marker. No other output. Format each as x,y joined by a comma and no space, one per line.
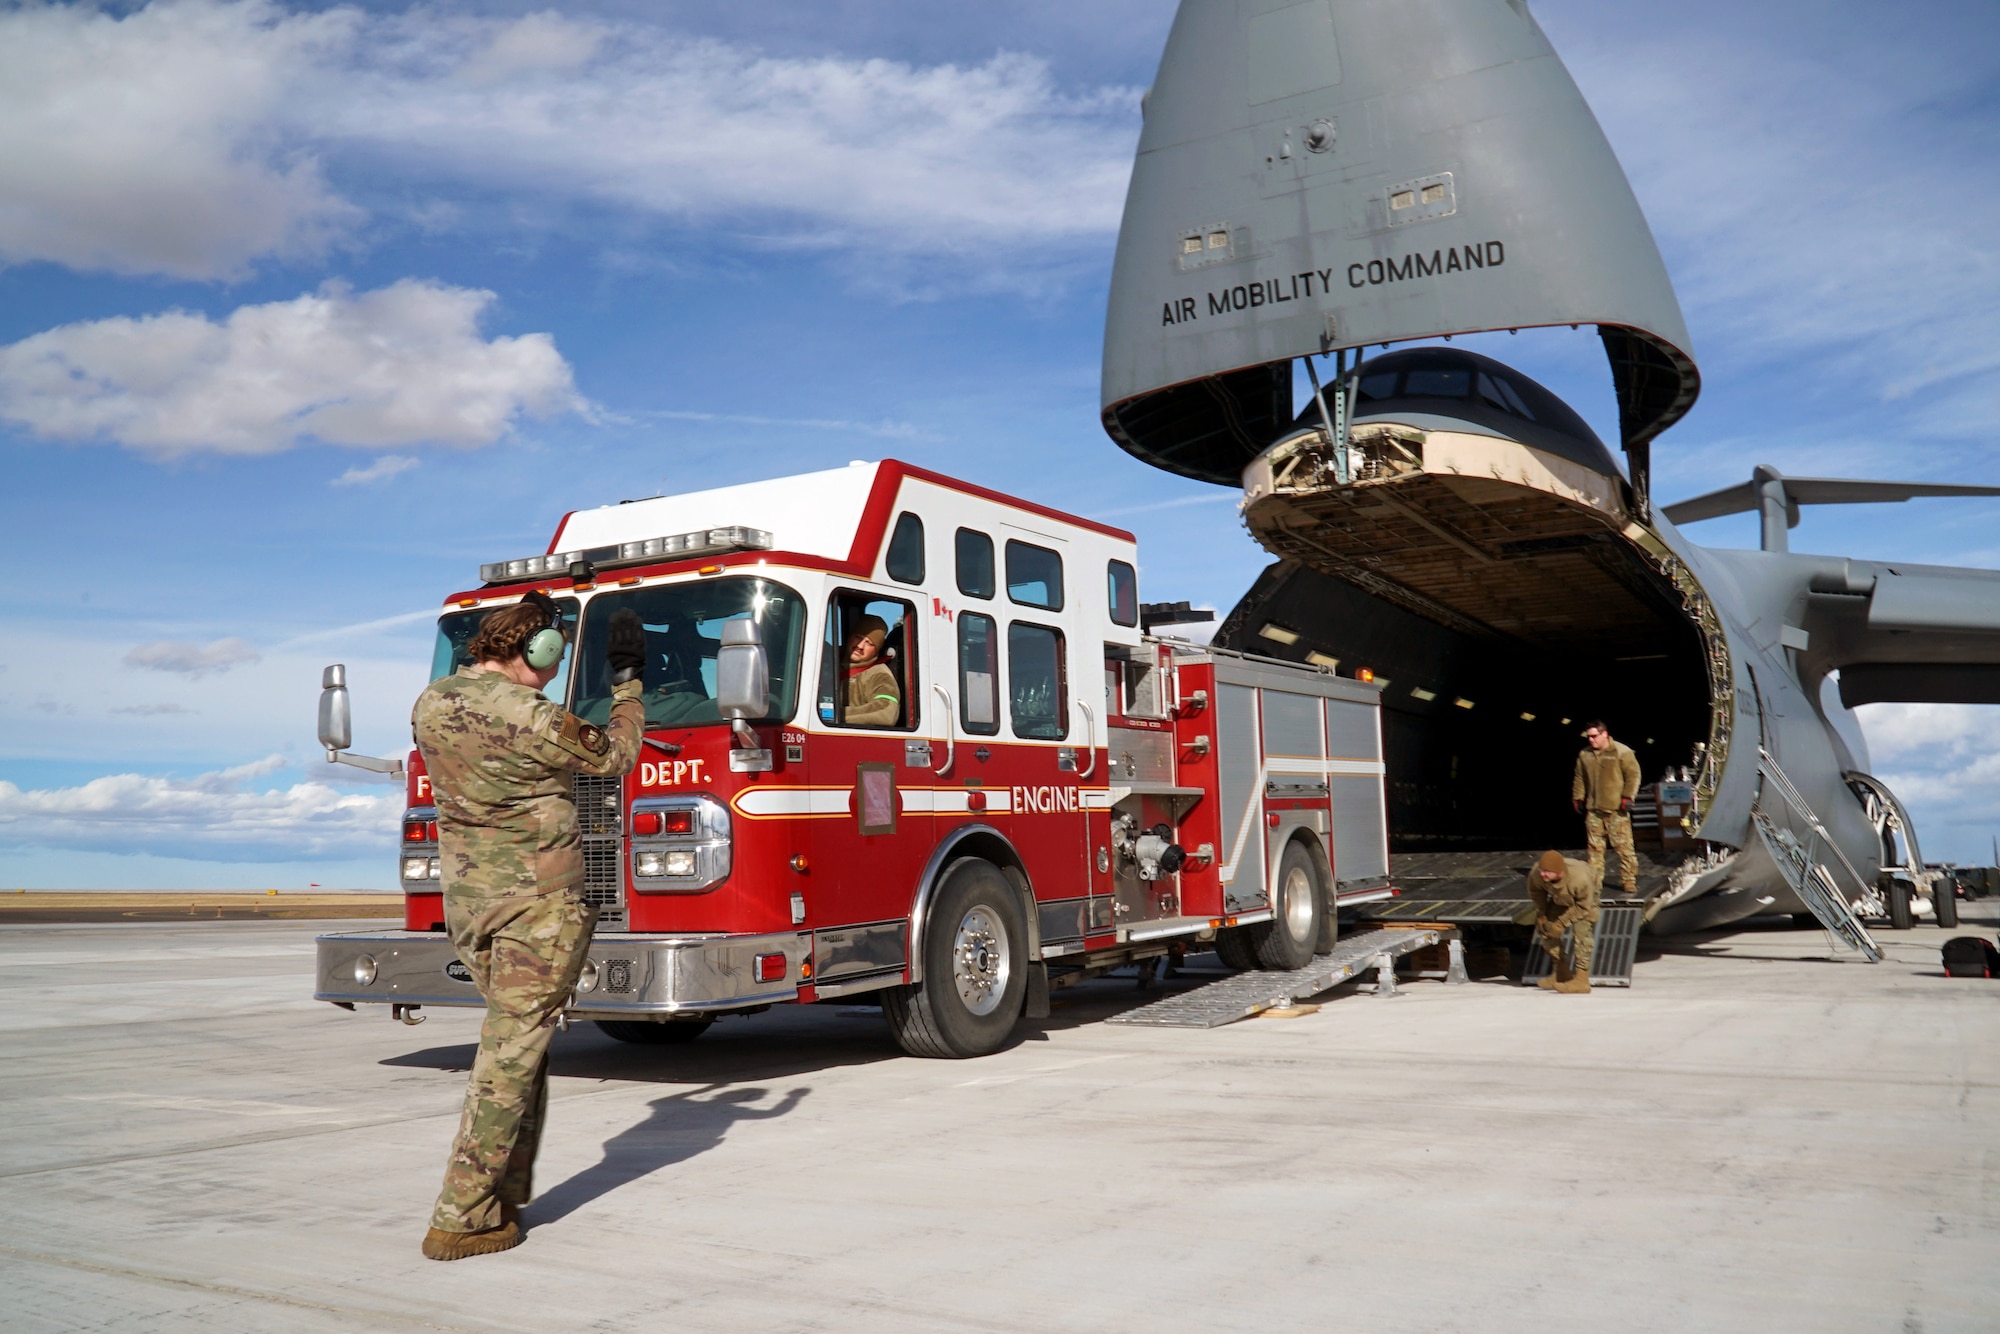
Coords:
304,312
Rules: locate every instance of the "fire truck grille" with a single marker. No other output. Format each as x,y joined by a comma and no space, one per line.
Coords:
600,805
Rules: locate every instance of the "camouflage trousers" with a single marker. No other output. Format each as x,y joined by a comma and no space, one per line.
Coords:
525,954
1615,828
1582,941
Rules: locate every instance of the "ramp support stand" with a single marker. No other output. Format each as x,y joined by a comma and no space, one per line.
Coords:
1385,975
1455,973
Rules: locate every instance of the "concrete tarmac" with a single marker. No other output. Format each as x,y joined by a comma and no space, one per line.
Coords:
1754,1137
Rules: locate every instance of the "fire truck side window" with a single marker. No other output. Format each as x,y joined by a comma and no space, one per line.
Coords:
1124,593
1035,687
1034,576
906,550
978,674
867,663
456,631
975,563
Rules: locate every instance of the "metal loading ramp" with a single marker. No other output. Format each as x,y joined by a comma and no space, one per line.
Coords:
1617,948
1242,995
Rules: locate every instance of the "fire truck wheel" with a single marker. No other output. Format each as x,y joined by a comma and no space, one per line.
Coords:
1235,948
1287,941
646,1033
975,969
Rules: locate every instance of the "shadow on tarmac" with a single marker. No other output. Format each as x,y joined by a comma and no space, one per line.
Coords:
682,1126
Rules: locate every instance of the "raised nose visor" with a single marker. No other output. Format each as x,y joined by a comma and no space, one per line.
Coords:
624,975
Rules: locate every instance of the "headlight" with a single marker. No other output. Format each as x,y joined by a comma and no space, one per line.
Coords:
437,872
650,863
680,863
364,969
416,868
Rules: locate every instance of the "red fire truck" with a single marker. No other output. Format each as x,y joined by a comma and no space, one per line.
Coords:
1056,790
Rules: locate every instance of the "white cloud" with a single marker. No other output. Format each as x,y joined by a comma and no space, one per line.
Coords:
192,660
152,710
153,142
215,816
398,366
989,160
1943,761
380,470
1824,205
185,137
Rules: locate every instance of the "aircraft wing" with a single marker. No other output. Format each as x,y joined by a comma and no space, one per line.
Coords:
1744,497
1925,634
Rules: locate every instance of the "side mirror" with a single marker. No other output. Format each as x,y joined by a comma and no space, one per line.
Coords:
336,725
742,672
336,716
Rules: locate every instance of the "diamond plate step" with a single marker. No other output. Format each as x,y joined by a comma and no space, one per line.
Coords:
1241,995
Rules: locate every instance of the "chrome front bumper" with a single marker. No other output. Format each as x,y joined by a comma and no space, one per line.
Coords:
625,974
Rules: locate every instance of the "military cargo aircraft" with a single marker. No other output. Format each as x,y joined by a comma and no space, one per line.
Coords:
1315,179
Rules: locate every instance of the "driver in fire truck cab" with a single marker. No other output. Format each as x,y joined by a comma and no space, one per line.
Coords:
872,697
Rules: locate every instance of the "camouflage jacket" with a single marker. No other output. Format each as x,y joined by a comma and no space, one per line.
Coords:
1604,776
500,758
1573,898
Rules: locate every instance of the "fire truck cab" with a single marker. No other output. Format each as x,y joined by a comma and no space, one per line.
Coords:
905,736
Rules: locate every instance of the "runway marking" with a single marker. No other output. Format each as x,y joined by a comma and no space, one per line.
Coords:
224,1289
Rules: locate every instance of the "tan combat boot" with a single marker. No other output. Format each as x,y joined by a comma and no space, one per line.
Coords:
1560,975
440,1245
1576,984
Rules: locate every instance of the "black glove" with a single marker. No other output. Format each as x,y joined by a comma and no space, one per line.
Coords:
625,647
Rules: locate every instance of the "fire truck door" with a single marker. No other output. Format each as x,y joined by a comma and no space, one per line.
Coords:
867,852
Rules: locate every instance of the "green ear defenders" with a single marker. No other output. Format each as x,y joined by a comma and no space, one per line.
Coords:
544,648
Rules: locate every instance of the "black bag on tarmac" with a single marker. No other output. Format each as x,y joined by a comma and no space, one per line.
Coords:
1971,956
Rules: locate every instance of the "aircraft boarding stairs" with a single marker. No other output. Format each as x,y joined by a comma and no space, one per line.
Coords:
1796,839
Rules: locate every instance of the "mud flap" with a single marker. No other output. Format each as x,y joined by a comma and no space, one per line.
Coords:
1036,1003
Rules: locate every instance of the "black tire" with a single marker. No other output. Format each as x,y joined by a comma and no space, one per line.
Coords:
1298,906
1900,916
649,1033
1944,898
1235,948
975,968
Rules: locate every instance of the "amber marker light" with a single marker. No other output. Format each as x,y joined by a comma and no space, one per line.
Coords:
1365,674
709,569
468,602
799,862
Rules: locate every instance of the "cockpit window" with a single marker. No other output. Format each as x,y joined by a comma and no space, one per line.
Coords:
1437,382
1497,392
1379,386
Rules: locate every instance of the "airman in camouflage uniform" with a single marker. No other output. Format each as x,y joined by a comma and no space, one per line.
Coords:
1566,894
500,758
1607,778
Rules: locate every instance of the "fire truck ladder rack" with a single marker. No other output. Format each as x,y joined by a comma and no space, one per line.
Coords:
1242,995
1617,945
1795,837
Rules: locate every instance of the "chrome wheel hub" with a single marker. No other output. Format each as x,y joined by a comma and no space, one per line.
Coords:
982,960
1298,907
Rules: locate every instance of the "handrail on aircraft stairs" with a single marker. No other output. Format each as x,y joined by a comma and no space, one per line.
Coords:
1797,859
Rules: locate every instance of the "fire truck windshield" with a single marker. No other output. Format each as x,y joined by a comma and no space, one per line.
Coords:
455,631
683,631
